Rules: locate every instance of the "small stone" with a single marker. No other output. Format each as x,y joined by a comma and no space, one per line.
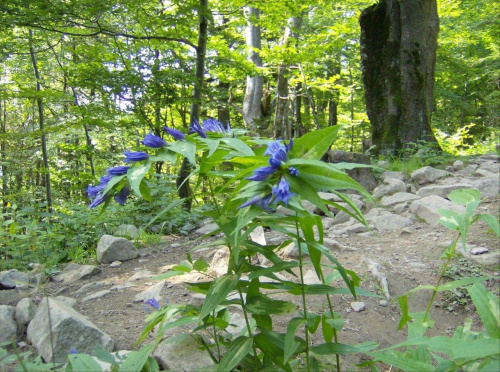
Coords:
115,264
358,306
383,303
143,274
130,304
152,292
406,231
25,311
479,250
97,295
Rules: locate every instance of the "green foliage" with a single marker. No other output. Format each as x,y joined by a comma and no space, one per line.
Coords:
465,350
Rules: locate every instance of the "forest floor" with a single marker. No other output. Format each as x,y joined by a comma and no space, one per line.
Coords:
408,258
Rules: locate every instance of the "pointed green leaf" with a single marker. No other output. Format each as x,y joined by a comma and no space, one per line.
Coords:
492,222
338,348
290,344
135,176
235,353
218,291
83,363
314,145
186,149
136,359
263,305
488,308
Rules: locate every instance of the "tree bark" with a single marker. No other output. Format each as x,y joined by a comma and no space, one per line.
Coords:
398,54
41,123
252,111
182,181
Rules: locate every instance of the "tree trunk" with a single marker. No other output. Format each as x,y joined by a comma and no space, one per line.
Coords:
252,111
41,123
182,181
3,151
398,54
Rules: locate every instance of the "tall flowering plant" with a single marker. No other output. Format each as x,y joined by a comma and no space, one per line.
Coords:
259,179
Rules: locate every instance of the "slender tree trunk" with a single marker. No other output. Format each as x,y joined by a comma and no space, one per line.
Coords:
41,123
182,181
252,111
3,149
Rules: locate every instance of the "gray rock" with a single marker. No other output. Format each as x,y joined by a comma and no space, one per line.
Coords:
220,261
25,311
64,300
141,274
400,208
392,174
206,229
483,173
358,306
13,279
458,165
389,186
182,356
152,292
442,190
387,221
340,218
90,286
111,249
490,157
97,295
427,208
427,175
311,278
468,171
127,231
8,325
73,272
258,235
486,259
397,198
36,280
479,250
489,187
349,228
121,287
363,175
115,264
10,297
197,300
490,166
291,251
70,330
236,325
332,243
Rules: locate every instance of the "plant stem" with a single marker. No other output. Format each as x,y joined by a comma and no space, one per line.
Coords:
246,319
443,271
302,287
215,338
332,314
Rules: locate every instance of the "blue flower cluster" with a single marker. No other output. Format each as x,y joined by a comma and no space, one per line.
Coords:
154,142
278,155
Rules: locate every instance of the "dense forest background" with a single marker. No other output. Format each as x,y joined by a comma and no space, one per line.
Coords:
83,81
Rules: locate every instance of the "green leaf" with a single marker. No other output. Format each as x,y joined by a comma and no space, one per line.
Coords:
165,156
136,359
186,149
235,353
488,308
400,360
275,268
201,265
239,146
212,144
83,363
314,145
462,282
168,274
135,176
112,182
290,344
218,291
464,196
338,348
492,222
104,355
263,305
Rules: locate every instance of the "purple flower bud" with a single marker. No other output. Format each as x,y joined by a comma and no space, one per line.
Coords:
212,125
274,147
259,201
153,141
288,147
73,351
99,199
177,134
282,192
121,197
118,171
293,171
131,156
196,128
153,303
93,191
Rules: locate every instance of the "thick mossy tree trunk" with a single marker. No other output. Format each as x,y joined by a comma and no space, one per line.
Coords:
398,54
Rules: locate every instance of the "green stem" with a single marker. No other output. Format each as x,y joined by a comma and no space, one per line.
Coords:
215,338
443,271
302,288
246,319
332,314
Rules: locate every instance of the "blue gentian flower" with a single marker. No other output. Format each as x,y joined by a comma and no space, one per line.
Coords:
132,156
153,141
121,197
196,128
212,125
282,192
177,134
118,171
259,201
153,303
73,351
93,191
262,173
99,199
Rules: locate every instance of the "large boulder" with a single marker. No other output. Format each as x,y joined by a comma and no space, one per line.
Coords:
389,186
427,175
73,272
488,186
13,279
363,175
385,221
25,312
442,190
67,329
8,326
428,208
111,248
398,198
182,356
